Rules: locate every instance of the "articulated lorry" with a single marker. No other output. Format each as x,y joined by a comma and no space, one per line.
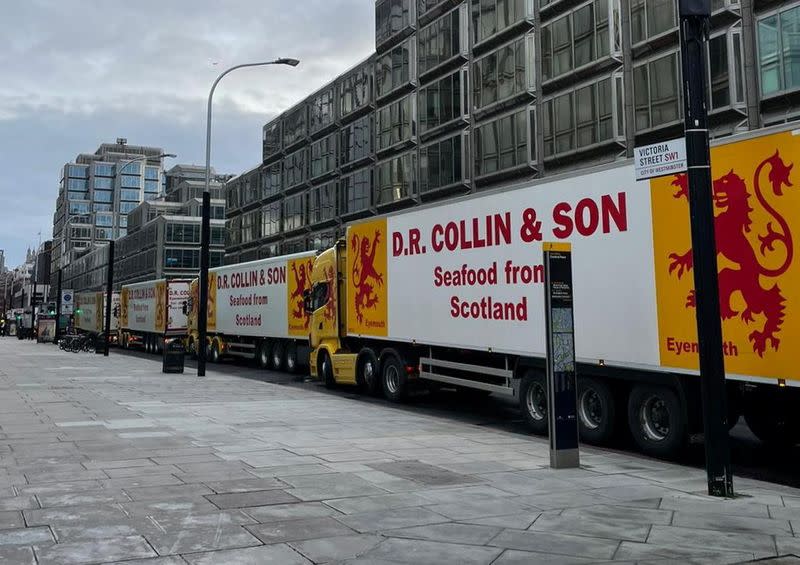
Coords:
256,311
452,294
150,312
90,313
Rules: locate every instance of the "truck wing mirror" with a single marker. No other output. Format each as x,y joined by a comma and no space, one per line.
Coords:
307,301
185,307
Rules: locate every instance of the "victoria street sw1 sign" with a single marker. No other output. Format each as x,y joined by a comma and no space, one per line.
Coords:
660,159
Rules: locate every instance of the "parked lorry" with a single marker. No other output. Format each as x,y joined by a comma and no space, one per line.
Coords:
255,311
452,294
90,313
151,311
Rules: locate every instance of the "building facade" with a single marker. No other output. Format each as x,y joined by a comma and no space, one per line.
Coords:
96,193
162,240
461,96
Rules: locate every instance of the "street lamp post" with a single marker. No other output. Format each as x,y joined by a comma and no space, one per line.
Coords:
205,229
110,272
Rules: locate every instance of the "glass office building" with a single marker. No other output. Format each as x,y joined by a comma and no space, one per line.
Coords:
461,96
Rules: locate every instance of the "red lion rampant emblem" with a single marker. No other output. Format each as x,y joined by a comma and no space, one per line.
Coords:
364,271
731,225
330,306
302,279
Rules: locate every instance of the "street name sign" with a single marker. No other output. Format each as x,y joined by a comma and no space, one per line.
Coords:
660,159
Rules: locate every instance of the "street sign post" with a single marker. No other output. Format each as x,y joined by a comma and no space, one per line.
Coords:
562,394
67,302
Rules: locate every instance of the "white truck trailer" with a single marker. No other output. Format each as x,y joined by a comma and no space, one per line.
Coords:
152,311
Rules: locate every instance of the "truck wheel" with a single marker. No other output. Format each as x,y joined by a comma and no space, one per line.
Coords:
326,370
215,353
277,356
290,358
148,348
394,380
264,355
367,374
533,401
657,420
596,410
769,417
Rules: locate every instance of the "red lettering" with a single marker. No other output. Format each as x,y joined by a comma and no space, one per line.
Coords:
618,212
414,236
397,244
436,235
563,220
587,227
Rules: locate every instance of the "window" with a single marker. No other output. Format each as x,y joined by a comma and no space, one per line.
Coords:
103,196
294,213
323,156
440,102
272,138
441,164
181,258
579,38
322,203
270,180
130,195
779,51
101,207
725,69
355,90
125,207
80,232
396,123
151,173
103,233
251,226
271,219
583,117
103,220
424,6
217,236
127,181
78,171
233,232
100,182
152,186
355,191
294,126
395,69
441,41
78,195
250,192
491,17
123,221
150,196
320,294
650,18
104,169
502,144
183,233
391,18
355,141
321,241
396,179
232,195
321,110
80,184
296,245
218,212
656,89
295,169
503,74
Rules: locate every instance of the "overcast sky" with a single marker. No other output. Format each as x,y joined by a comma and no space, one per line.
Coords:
77,73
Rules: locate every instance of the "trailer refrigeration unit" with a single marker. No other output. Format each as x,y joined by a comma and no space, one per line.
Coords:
255,311
89,313
152,311
452,294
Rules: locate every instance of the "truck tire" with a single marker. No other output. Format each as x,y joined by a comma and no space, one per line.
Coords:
215,352
146,341
264,355
770,418
533,401
368,372
657,420
290,358
326,370
394,380
277,356
596,410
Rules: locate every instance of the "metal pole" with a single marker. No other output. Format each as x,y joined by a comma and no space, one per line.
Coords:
109,289
33,304
57,333
205,226
694,33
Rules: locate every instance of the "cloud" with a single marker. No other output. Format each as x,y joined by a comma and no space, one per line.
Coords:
80,73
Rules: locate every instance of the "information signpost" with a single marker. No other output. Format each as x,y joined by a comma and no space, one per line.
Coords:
561,380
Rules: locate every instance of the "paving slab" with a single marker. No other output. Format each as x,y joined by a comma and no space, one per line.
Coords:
296,530
95,551
15,555
391,519
26,536
10,520
278,554
420,552
282,512
195,540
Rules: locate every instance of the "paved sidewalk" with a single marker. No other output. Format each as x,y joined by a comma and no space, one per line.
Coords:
108,460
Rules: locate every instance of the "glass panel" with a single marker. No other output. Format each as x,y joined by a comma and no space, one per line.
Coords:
130,182
790,47
664,91
321,110
355,141
356,191
718,71
605,110
103,196
393,70
562,46
768,55
355,90
440,102
151,173
602,36
395,123
501,144
564,123
439,41
391,17
294,126
99,182
295,169
395,179
583,27
638,21
586,118
737,66
323,156
500,75
641,93
660,16
272,138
